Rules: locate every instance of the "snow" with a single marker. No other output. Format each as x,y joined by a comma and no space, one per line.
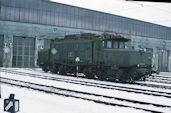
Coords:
108,92
38,102
165,74
156,83
40,72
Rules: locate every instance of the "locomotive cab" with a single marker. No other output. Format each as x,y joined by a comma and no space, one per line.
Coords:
115,43
119,56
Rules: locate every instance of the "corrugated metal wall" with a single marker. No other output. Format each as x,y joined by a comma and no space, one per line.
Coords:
49,13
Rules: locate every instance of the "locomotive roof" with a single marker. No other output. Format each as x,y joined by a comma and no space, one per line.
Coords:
91,36
108,36
83,35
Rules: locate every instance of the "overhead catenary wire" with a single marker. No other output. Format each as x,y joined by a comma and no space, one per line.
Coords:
151,6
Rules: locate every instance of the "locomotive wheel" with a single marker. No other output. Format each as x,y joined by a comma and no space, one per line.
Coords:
45,68
62,70
128,75
131,79
122,79
88,73
102,78
100,75
132,74
54,69
121,75
90,76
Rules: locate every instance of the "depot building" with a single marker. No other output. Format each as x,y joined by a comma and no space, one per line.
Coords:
26,26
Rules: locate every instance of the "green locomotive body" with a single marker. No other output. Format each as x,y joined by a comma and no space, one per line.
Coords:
96,56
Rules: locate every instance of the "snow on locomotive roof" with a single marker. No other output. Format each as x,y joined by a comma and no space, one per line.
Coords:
91,36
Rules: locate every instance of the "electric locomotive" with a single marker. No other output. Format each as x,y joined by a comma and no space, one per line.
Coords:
103,57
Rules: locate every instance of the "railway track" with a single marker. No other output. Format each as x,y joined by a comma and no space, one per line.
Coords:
155,78
102,99
142,84
93,84
165,74
161,77
159,81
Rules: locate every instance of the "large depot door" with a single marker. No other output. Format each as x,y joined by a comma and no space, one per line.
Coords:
163,56
23,52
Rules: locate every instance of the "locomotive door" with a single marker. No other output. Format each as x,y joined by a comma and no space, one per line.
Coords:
23,52
163,60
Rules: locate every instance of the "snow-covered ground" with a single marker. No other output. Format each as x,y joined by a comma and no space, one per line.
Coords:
40,72
38,102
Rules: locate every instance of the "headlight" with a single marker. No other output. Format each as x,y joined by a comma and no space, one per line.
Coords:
138,65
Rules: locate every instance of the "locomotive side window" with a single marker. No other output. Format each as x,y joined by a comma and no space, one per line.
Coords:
113,44
109,44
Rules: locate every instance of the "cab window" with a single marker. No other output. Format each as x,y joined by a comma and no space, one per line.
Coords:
109,44
113,44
